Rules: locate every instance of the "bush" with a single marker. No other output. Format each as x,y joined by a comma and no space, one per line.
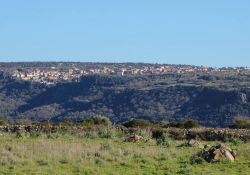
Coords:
196,160
106,133
157,134
90,134
234,141
87,121
187,124
2,122
190,124
164,140
19,134
101,120
141,123
240,123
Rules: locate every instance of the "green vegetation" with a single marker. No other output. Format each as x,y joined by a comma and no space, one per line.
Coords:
241,123
2,121
213,99
101,120
94,146
66,128
66,153
190,123
164,140
141,123
187,124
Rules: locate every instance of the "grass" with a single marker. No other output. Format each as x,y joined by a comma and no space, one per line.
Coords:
70,154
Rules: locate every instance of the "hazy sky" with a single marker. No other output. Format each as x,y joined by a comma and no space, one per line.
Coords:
200,32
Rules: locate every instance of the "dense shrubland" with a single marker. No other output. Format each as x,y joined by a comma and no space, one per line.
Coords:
213,100
240,123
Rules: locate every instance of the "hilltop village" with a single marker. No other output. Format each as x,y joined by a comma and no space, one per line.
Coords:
50,73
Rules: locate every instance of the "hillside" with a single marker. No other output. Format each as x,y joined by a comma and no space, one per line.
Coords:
212,101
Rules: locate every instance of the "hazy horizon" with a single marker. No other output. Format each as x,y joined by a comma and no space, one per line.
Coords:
96,62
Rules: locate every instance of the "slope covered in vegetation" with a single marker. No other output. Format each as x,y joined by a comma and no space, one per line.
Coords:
213,100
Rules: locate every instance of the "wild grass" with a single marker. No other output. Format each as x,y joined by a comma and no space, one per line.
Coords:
66,154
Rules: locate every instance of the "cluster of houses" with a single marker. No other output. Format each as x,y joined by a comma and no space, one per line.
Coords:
48,76
51,75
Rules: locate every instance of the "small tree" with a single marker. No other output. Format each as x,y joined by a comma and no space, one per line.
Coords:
2,121
137,123
240,123
87,121
102,120
190,124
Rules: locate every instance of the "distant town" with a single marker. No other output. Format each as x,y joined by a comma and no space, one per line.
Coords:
51,73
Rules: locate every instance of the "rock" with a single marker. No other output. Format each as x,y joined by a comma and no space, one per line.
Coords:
133,138
216,153
193,142
138,138
228,155
243,97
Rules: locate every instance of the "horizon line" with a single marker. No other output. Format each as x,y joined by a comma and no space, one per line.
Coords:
110,62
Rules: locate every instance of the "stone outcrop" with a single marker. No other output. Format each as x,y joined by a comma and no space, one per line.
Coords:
134,138
193,142
215,153
243,97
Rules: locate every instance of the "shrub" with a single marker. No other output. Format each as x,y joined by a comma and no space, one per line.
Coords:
90,134
187,124
195,159
240,123
2,121
141,123
190,124
173,124
145,133
105,133
234,141
102,120
157,133
164,140
87,121
19,134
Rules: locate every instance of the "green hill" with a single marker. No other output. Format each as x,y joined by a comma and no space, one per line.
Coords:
213,100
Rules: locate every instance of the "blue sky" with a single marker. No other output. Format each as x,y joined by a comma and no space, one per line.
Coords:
211,32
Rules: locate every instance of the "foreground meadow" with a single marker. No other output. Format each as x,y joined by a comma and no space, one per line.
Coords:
73,154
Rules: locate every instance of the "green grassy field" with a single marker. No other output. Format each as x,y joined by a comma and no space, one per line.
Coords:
71,154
